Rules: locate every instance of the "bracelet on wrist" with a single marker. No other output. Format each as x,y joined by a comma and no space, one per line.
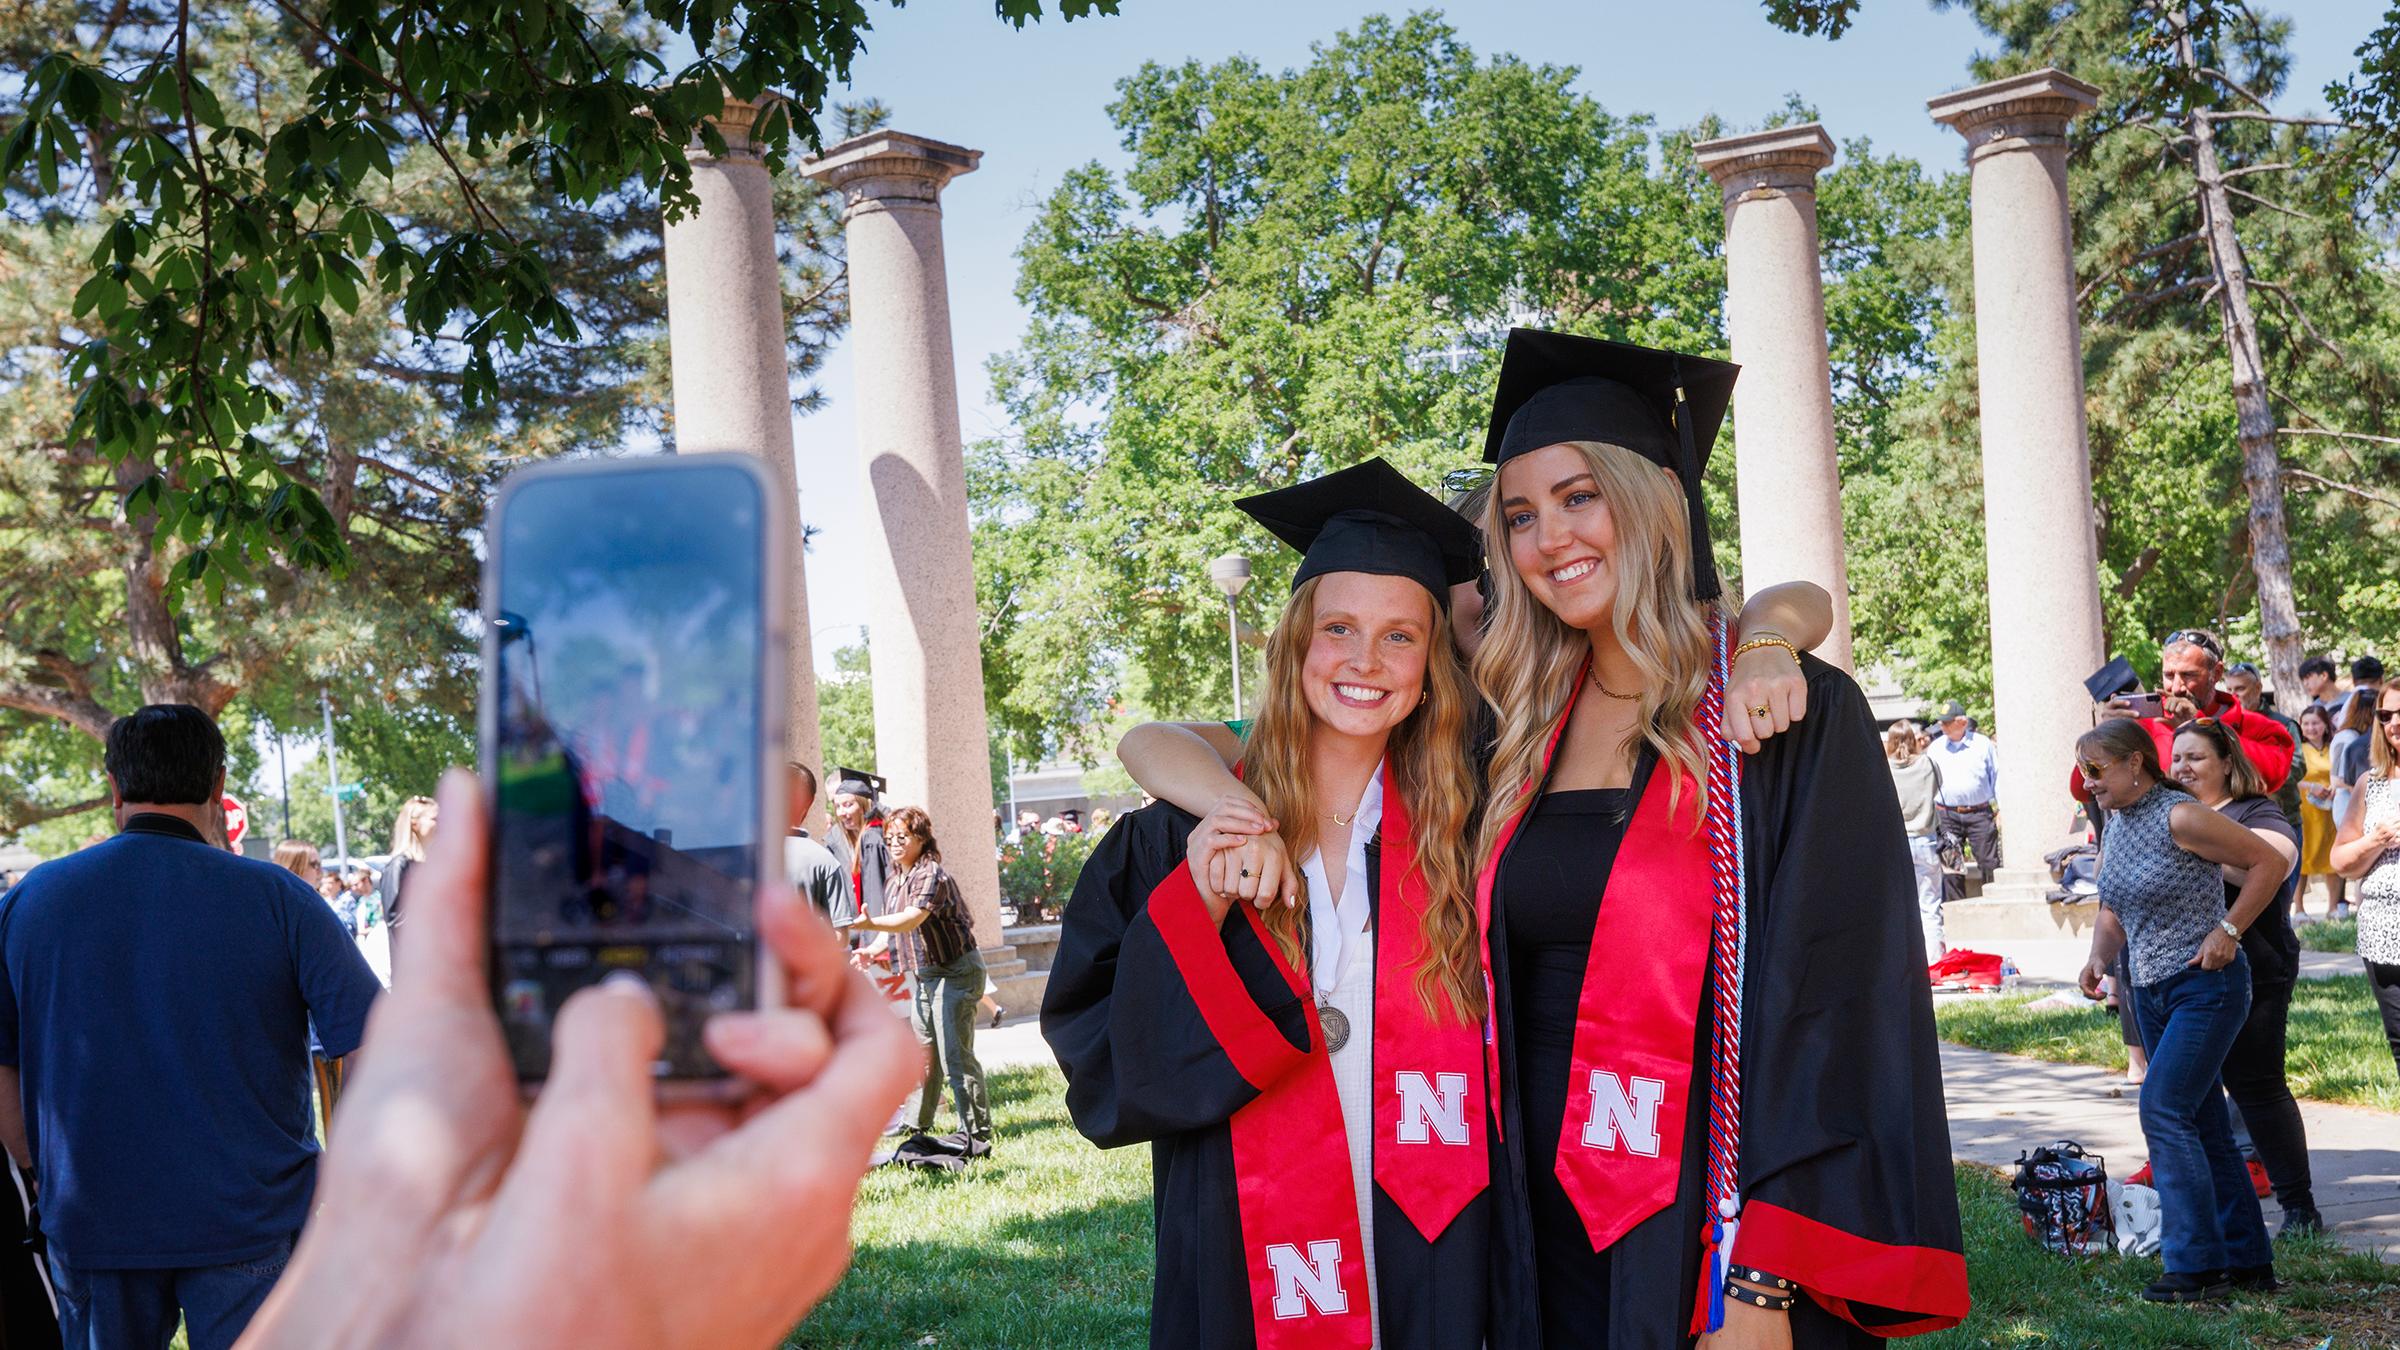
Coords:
1767,640
1742,1293
1756,1276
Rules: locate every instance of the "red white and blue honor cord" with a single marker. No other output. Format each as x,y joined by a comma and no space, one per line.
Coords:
1729,942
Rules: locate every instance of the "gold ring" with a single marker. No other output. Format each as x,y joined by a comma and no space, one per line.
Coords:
1759,712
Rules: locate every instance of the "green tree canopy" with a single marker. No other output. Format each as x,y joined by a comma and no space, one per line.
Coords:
241,216
1299,270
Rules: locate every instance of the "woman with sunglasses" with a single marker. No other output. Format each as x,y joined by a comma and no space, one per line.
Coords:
2163,862
2210,765
2367,848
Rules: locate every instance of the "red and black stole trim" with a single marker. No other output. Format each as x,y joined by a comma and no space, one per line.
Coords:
1300,1236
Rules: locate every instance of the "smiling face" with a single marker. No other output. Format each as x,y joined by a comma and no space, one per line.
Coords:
1365,666
2387,718
1562,536
904,846
2199,767
850,810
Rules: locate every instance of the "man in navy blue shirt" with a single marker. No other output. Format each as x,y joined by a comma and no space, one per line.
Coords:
156,993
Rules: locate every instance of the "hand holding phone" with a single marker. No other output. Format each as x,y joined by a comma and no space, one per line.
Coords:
632,743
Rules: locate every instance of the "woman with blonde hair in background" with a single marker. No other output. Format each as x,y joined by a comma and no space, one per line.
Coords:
1308,1069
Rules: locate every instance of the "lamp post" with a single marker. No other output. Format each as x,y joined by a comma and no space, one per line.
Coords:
1231,573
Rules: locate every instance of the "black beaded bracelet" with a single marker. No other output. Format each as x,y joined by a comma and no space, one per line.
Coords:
1756,1276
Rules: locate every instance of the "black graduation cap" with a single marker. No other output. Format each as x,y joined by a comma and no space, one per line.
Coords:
1370,518
858,783
1661,405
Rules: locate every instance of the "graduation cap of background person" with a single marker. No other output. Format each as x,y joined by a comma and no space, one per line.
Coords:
1664,406
2117,677
1370,518
858,783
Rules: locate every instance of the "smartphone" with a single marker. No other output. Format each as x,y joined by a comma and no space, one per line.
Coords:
2143,705
631,730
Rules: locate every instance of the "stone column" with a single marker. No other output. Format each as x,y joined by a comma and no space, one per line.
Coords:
930,736
1786,471
732,379
2037,478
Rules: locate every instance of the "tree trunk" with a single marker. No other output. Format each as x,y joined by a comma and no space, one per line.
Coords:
2254,412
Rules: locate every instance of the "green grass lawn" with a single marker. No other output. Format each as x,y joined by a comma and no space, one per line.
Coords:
2328,935
2336,1052
1047,1244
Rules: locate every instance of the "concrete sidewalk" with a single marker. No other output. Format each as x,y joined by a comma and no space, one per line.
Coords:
2003,1105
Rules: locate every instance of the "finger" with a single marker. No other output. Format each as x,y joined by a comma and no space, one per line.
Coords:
778,1049
1795,701
591,1141
1739,726
446,900
1220,872
812,957
1241,820
1289,885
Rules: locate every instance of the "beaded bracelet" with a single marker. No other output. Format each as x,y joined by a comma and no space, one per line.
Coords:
1767,640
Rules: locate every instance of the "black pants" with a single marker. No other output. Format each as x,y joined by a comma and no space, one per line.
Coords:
2385,981
1978,828
2254,1078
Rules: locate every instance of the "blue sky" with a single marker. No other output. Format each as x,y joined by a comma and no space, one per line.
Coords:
1034,102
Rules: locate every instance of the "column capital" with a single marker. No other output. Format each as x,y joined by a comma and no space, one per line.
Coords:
734,124
2020,112
890,170
1766,163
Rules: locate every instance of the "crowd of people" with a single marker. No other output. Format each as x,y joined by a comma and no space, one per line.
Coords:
1432,987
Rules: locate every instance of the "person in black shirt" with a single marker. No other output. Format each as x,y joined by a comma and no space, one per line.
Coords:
946,973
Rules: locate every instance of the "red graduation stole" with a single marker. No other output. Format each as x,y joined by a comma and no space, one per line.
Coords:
1620,1149
1299,1217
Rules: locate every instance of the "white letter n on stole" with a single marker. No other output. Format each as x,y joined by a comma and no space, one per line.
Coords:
1316,1278
1435,1108
1620,1114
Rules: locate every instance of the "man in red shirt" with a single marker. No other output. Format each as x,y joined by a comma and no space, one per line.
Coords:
2191,661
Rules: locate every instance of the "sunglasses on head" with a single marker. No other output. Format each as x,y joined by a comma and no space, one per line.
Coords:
2198,637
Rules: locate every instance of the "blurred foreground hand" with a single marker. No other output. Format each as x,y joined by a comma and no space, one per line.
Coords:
449,1214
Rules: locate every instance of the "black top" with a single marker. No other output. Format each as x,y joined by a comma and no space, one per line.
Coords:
2273,947
1843,1125
1549,889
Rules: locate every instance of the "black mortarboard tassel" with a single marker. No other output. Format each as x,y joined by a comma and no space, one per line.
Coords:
1370,518
1661,405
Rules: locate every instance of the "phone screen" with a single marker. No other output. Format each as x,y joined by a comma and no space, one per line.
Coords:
627,635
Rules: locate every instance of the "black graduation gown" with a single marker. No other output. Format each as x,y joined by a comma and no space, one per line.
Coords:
1141,1065
1844,1133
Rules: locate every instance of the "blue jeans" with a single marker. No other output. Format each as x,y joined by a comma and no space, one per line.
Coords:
1925,858
111,1309
2209,1216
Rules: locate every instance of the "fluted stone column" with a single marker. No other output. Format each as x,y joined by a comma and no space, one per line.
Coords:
1786,470
930,736
732,379
2037,477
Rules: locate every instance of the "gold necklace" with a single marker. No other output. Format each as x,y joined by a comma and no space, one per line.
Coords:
1341,820
1621,698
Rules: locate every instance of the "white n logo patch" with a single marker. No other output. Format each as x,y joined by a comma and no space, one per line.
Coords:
1431,1109
1624,1114
1314,1280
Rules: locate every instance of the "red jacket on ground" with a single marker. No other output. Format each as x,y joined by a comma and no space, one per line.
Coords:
2263,739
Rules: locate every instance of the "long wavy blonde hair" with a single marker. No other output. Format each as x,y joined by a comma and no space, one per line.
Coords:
1431,770
1528,663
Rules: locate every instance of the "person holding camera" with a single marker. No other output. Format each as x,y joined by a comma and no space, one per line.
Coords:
2191,665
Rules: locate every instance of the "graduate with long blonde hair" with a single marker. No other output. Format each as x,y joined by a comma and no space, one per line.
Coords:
1310,1077
1713,1049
